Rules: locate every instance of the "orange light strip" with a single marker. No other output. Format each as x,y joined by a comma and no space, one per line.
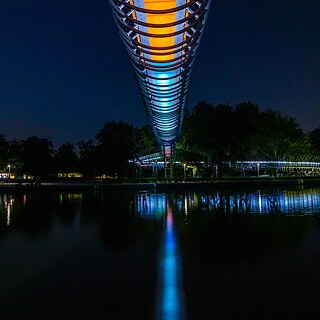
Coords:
161,19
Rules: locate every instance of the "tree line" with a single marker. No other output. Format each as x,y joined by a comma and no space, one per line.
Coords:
214,134
107,153
224,134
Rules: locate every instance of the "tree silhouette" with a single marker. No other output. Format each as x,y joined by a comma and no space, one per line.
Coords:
65,159
37,155
117,144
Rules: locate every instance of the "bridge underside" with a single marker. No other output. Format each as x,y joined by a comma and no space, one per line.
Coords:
162,38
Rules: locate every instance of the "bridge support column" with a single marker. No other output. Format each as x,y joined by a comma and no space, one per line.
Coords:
168,157
165,162
171,164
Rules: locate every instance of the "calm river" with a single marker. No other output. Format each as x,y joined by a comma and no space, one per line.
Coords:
196,254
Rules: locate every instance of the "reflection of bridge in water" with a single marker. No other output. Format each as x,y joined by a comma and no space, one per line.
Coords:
210,230
304,201
170,301
284,202
163,206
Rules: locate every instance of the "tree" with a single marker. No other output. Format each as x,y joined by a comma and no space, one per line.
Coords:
65,159
16,155
147,140
194,136
209,132
87,161
277,136
37,155
314,137
4,152
117,144
221,134
246,122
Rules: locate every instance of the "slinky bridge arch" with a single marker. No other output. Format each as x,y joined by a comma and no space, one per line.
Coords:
162,38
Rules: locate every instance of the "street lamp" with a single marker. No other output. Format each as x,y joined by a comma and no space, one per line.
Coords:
9,171
184,171
258,167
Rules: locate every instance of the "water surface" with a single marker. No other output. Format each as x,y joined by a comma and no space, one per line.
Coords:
197,254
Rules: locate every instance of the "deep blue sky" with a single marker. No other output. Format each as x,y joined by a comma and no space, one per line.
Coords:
64,71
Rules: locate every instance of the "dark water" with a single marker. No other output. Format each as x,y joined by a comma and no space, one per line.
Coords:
202,254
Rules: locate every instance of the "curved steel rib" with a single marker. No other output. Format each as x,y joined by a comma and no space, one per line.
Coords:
162,38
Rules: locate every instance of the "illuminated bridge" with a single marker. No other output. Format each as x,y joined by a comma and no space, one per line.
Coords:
162,38
155,160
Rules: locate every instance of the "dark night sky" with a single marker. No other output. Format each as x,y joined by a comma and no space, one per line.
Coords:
64,71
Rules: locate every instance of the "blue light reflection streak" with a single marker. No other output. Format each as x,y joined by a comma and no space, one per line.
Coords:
170,293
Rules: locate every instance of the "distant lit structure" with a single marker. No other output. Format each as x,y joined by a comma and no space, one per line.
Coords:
70,175
162,38
281,165
155,161
151,159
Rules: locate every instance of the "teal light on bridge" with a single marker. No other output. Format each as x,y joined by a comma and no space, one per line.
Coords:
162,38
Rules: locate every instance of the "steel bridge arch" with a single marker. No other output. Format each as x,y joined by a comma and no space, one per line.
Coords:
162,38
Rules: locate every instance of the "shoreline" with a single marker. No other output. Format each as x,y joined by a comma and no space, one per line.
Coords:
97,185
